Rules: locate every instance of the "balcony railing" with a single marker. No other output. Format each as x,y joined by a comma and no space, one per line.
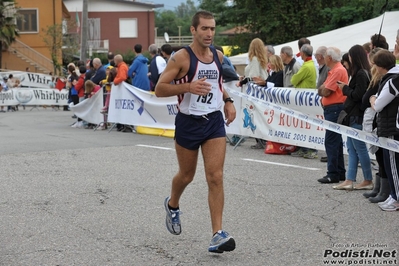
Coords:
174,40
32,55
98,46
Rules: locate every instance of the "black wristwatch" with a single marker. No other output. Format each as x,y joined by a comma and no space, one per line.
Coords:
228,99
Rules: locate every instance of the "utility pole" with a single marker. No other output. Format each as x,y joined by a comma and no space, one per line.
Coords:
83,47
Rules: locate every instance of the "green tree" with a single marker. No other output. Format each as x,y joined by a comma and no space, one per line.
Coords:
166,21
186,10
169,21
60,45
220,8
280,21
8,28
354,11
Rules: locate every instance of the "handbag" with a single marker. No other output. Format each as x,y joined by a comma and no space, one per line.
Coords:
342,118
368,119
279,148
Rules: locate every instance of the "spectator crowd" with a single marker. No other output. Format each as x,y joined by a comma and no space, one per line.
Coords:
358,89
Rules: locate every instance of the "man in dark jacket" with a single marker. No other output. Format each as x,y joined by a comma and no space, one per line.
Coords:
99,71
157,65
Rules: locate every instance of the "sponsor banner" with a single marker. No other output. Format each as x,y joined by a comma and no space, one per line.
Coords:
237,126
33,96
258,120
132,106
312,119
89,109
28,79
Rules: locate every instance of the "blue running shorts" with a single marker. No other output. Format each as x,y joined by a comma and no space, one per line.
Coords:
192,130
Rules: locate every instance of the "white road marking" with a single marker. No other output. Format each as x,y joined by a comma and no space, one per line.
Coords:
244,159
155,147
283,164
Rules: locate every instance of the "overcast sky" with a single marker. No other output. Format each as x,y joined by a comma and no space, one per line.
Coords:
172,4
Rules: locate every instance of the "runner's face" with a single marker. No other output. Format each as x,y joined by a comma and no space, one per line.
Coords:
204,32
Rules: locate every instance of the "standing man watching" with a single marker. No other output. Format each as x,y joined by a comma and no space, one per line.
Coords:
138,70
333,103
323,69
305,78
166,51
298,57
99,71
195,70
269,51
121,74
323,72
110,60
291,65
157,66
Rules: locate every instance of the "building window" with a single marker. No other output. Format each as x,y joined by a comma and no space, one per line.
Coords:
27,20
127,28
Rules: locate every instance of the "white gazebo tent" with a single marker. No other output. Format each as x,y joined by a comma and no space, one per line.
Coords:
343,38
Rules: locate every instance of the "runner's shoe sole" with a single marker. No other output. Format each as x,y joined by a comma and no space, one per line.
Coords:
230,245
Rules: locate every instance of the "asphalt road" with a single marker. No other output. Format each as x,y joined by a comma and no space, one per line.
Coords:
82,197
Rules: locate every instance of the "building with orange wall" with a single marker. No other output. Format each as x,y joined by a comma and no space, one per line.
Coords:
114,25
30,50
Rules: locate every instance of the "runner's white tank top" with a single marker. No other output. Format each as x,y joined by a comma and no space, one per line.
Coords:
192,104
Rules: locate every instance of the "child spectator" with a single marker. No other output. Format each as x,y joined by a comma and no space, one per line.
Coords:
73,93
111,73
80,84
91,88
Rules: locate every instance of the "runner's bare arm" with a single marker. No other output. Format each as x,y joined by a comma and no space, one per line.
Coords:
174,69
229,109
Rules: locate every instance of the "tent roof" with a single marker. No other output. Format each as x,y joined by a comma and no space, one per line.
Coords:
344,38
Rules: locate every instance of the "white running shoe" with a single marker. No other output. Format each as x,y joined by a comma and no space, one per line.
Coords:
221,242
172,219
386,201
391,206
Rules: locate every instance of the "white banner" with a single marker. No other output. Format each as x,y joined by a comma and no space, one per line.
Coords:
28,79
33,96
89,109
132,106
292,134
286,115
260,121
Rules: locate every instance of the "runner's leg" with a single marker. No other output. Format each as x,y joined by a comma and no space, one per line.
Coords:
187,160
213,152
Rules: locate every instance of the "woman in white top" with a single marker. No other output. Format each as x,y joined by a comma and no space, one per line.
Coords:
257,66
